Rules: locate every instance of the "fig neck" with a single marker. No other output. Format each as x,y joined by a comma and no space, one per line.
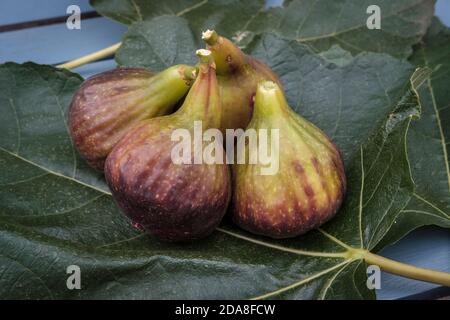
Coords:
228,57
178,78
270,101
202,102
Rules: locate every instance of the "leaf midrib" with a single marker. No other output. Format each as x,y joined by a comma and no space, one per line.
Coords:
342,254
438,120
53,172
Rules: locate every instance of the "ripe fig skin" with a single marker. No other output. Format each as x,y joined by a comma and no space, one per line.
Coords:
238,75
310,184
109,104
173,202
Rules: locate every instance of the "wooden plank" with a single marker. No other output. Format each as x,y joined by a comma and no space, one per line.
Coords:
91,69
273,3
55,43
15,11
443,11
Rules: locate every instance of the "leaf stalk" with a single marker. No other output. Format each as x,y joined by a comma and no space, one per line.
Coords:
405,270
90,57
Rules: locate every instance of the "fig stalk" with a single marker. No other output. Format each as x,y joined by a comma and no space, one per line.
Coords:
228,58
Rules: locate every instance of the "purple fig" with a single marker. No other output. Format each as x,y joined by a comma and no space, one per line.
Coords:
308,185
170,200
238,75
109,104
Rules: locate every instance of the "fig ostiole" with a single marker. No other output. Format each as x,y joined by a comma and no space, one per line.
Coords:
309,186
172,201
109,104
238,76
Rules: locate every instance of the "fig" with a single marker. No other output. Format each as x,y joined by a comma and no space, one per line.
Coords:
171,200
238,75
308,184
109,104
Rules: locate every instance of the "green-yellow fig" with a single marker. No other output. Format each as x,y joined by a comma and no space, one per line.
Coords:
308,184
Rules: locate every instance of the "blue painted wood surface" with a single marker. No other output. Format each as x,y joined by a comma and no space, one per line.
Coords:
428,247
443,11
56,43
15,11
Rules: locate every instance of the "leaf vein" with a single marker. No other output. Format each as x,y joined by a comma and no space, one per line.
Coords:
285,249
301,282
54,172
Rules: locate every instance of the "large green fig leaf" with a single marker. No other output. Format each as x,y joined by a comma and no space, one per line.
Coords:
322,23
229,16
429,139
54,212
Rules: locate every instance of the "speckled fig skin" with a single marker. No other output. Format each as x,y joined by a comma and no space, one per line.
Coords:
310,184
238,76
109,104
174,202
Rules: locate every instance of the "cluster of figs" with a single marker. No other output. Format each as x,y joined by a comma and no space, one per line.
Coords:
121,122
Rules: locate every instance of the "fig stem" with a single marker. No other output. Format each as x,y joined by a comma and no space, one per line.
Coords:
204,55
405,270
210,37
90,57
228,57
206,60
203,102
